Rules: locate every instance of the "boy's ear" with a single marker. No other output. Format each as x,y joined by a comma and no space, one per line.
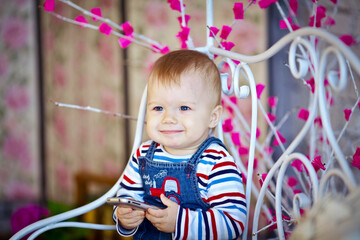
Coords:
215,116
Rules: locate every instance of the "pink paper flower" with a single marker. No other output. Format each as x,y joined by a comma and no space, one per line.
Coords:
213,31
225,31
317,164
292,182
127,29
243,151
49,5
359,105
183,34
298,165
258,133
17,97
311,83
266,3
259,89
320,14
97,12
262,179
238,10
105,29
348,39
81,19
356,159
303,114
187,18
334,1
227,45
163,50
294,7
318,121
329,21
347,113
295,27
235,137
272,101
227,125
297,191
271,117
176,5
282,139
14,33
283,23
124,43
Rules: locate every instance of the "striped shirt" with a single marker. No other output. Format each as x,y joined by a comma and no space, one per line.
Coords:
220,185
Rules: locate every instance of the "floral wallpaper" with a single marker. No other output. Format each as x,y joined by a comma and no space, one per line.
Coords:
19,132
81,67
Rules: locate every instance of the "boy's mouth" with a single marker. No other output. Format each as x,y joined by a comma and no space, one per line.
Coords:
170,131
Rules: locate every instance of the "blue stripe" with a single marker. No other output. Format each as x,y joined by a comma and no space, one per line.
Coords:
223,180
156,157
212,157
225,171
131,188
201,182
199,224
134,167
207,230
234,201
178,226
205,162
227,224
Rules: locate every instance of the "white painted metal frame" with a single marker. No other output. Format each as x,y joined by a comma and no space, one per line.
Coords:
298,67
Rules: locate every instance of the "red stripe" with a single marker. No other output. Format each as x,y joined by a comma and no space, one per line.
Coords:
138,153
202,176
213,224
240,223
214,151
186,223
223,164
126,178
234,194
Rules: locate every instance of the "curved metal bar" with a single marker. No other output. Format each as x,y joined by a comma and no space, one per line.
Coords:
300,200
306,31
314,181
251,80
289,150
71,224
325,118
332,173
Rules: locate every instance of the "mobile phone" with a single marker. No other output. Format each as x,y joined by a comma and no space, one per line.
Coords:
130,203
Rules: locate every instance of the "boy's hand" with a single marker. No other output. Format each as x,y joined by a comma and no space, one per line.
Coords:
129,218
164,219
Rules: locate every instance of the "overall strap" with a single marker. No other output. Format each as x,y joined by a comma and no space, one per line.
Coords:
203,147
150,152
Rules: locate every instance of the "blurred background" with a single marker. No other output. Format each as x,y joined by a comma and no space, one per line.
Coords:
52,158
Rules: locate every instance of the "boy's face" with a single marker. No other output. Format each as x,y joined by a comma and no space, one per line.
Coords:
179,117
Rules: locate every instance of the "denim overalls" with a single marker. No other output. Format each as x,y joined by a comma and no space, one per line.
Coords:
177,181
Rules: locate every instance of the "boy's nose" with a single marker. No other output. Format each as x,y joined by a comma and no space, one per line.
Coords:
169,117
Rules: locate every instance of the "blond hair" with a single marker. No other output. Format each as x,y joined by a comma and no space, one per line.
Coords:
168,69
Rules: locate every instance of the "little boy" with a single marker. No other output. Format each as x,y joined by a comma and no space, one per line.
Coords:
182,169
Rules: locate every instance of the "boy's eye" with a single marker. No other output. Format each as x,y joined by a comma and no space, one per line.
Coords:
158,108
184,108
